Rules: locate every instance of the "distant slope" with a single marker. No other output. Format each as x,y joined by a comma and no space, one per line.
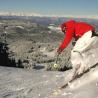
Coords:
48,20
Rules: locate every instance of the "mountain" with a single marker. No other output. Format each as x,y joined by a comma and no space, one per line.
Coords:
47,20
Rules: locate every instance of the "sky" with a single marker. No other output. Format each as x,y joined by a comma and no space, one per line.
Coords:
52,7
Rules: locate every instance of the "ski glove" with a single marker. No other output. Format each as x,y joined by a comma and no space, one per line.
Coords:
59,50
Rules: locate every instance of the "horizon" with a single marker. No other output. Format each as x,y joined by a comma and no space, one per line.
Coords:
14,13
58,8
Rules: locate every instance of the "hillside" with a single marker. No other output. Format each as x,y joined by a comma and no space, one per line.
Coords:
32,45
20,83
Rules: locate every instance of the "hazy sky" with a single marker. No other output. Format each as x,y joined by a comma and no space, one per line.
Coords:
49,7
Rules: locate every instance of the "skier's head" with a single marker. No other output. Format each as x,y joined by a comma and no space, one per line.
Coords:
69,24
63,27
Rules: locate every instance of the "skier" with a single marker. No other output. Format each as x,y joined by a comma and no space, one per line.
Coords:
83,54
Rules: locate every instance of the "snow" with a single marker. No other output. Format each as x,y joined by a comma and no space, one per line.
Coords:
23,83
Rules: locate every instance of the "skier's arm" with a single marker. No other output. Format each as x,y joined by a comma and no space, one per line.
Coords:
67,39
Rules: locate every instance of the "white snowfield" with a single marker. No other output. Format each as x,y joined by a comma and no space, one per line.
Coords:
54,28
21,83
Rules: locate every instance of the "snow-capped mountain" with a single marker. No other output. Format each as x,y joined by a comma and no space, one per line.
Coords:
10,13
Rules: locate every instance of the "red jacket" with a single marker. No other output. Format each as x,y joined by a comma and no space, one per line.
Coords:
74,30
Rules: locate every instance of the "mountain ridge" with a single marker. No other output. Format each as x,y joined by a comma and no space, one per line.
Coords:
8,13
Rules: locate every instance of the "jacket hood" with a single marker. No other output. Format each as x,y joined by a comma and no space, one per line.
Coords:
68,24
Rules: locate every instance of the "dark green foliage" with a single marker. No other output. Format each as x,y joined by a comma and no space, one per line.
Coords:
19,63
6,58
